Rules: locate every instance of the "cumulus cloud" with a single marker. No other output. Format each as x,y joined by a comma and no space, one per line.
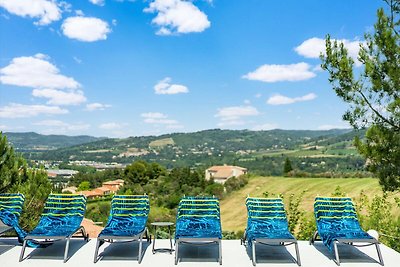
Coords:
97,2
96,106
85,29
314,47
233,115
284,100
278,73
164,87
37,72
15,110
177,16
58,97
44,10
62,127
157,118
265,127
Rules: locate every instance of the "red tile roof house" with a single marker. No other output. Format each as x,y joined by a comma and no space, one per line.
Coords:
221,174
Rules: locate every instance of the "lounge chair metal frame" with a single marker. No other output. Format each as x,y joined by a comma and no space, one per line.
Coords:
4,228
340,207
274,242
198,242
42,239
123,239
270,242
47,240
350,242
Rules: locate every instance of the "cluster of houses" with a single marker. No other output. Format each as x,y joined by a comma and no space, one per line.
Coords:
220,174
107,188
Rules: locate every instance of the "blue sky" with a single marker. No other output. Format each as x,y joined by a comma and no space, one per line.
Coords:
122,68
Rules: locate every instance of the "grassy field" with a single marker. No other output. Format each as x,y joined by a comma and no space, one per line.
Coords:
233,209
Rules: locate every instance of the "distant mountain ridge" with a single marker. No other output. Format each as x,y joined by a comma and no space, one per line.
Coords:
31,141
264,152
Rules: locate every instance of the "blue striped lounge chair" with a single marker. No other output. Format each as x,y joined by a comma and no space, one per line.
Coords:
267,224
198,222
10,210
337,222
126,223
60,220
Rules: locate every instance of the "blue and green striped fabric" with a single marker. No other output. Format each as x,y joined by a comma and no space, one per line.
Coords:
198,217
128,215
10,209
62,215
337,219
266,219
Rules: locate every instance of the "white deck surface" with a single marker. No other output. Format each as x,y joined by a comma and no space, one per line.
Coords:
233,254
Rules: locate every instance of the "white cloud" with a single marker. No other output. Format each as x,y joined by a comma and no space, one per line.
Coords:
77,60
157,118
62,98
277,73
110,126
61,126
233,115
97,2
36,72
313,47
284,100
85,29
96,106
265,127
177,16
164,87
15,110
46,11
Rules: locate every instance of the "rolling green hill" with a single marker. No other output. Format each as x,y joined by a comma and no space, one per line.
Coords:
233,209
262,152
30,141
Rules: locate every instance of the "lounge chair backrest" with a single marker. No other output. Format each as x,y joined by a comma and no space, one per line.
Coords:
68,209
265,209
334,209
130,206
198,207
10,208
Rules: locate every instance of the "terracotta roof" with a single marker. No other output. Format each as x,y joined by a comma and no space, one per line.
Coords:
110,188
225,167
223,174
102,189
116,182
91,193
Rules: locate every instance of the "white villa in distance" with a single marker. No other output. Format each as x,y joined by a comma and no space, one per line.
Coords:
221,174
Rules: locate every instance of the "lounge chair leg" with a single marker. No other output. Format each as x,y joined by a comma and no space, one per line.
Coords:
96,252
140,248
220,252
176,252
379,254
336,253
253,247
313,238
66,250
21,257
297,254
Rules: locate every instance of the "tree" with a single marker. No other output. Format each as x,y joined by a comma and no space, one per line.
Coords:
373,93
287,167
83,186
15,176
